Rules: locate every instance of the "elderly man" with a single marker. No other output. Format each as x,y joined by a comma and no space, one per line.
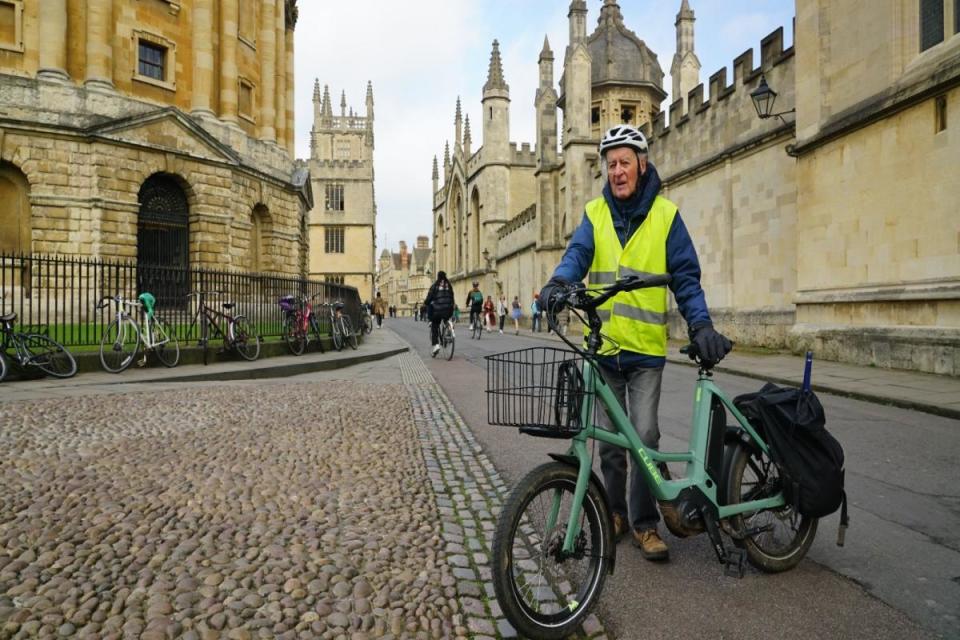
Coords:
632,229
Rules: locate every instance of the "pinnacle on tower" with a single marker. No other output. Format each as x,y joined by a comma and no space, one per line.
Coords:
436,170
343,103
458,116
316,90
495,73
446,154
466,131
546,53
369,101
326,110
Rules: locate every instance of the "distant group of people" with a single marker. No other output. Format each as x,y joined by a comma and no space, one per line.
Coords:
492,313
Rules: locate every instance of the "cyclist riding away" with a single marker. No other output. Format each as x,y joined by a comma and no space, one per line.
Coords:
439,304
475,303
631,230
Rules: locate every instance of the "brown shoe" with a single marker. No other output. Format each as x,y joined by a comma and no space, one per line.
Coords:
651,546
620,527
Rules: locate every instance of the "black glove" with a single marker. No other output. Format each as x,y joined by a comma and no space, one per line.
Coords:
548,304
712,345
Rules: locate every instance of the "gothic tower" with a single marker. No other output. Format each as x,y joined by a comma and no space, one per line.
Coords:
685,69
547,159
496,111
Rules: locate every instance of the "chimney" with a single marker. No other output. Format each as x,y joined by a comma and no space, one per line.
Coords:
423,242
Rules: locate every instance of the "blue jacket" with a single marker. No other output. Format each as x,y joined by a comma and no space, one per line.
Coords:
682,262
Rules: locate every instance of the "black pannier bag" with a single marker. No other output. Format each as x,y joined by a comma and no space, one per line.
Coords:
810,459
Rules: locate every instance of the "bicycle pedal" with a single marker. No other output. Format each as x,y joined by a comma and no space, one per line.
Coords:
734,565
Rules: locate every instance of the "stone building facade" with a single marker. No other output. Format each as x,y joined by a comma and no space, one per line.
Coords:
343,220
155,130
404,278
832,227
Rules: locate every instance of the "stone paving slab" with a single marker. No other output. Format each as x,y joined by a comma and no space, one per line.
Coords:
469,494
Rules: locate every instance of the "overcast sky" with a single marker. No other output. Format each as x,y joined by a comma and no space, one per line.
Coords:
422,54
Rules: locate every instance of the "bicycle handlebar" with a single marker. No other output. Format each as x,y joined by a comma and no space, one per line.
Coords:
579,296
105,300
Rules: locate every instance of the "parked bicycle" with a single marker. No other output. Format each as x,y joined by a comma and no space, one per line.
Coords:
123,337
341,329
446,339
299,322
554,545
237,334
366,320
32,350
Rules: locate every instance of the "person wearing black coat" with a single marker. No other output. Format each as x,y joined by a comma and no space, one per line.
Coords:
439,304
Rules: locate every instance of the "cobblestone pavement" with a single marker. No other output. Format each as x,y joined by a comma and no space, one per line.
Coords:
469,493
275,511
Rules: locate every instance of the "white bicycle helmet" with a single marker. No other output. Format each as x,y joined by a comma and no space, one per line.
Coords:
623,135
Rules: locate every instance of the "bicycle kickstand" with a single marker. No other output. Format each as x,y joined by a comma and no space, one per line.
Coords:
731,559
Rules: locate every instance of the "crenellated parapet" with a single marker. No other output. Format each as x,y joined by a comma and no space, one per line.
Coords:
526,155
726,118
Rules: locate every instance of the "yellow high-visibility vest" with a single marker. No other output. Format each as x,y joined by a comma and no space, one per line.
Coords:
634,320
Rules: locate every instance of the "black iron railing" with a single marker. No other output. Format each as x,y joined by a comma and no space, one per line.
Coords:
58,295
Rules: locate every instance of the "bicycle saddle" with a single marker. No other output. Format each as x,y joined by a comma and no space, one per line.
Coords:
10,317
228,305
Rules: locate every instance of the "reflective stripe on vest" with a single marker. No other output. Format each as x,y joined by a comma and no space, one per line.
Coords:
635,320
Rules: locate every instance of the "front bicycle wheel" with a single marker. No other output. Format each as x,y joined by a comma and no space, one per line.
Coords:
3,366
544,592
349,335
295,339
49,356
336,332
315,327
784,535
244,339
119,345
166,345
477,329
367,324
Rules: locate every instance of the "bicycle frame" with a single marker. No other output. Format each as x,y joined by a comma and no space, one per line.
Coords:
646,458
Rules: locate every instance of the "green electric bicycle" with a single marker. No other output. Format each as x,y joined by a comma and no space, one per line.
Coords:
554,544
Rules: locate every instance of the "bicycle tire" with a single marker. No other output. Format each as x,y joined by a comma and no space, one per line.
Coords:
115,344
336,333
477,329
243,340
293,336
367,324
350,335
49,356
4,367
760,549
448,342
559,614
315,327
168,351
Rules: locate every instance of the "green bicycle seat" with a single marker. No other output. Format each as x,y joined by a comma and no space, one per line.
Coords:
148,302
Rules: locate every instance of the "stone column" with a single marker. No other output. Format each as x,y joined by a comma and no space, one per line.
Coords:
290,88
53,40
99,44
202,58
281,74
268,64
228,60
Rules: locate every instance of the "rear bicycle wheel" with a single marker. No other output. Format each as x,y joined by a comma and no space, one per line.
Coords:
315,328
243,338
543,592
367,324
49,356
295,339
336,332
447,341
119,345
349,336
786,536
4,367
477,328
167,347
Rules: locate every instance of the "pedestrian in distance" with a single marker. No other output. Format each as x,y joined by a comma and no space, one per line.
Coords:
379,309
630,228
439,303
515,314
535,313
456,314
475,303
502,311
488,314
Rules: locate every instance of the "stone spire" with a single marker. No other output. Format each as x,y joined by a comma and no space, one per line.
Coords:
495,79
446,154
436,170
546,53
370,100
610,12
467,139
458,125
577,17
326,110
343,104
316,90
685,69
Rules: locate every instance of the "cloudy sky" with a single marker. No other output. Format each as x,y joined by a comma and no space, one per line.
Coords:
422,54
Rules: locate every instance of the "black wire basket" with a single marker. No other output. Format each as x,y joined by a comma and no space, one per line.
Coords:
540,390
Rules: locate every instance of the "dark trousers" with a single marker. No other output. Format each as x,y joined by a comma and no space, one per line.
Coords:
435,329
379,319
503,317
639,395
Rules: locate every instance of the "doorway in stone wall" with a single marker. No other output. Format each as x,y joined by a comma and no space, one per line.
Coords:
163,240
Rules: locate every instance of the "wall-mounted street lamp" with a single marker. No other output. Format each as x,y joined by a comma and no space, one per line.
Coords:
763,98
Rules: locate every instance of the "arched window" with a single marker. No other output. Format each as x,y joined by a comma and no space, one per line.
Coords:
475,241
163,240
15,226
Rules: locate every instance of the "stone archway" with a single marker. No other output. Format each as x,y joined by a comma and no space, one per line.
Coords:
163,239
